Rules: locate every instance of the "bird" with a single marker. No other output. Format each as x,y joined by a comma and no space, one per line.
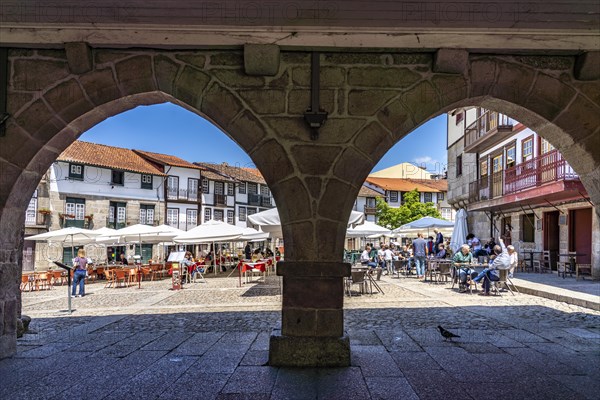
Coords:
446,334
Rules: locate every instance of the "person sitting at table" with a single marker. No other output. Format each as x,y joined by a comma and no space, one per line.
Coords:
501,261
460,261
123,259
256,255
441,251
277,252
268,252
186,265
365,258
248,251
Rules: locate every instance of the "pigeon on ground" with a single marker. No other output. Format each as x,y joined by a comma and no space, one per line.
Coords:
446,334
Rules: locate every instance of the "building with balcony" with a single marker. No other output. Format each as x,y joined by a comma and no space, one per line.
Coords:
366,202
513,182
392,183
244,191
92,186
182,189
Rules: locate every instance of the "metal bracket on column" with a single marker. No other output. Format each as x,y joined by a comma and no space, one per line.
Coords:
314,116
557,209
3,90
586,198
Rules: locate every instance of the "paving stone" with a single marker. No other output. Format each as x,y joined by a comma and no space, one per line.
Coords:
437,385
198,344
397,340
261,342
295,384
223,360
456,362
384,388
256,357
167,342
413,361
363,337
251,380
374,361
341,383
588,386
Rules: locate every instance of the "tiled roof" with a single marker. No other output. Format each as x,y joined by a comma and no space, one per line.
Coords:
368,192
100,155
406,185
167,159
235,173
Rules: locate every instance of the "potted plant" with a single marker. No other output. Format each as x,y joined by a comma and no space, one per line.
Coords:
89,217
44,211
65,216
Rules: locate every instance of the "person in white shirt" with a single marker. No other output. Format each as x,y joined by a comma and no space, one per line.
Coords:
365,259
501,261
388,256
514,260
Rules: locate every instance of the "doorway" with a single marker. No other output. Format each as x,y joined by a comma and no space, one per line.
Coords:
580,234
551,233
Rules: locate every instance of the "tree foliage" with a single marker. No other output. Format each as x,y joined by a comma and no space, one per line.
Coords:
410,210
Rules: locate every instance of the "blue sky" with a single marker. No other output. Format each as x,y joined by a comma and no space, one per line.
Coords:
170,129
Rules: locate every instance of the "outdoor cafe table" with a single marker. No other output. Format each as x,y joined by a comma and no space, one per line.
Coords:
531,253
244,267
433,265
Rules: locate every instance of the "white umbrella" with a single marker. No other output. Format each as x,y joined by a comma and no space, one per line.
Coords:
73,235
459,235
269,221
210,231
253,235
424,223
368,228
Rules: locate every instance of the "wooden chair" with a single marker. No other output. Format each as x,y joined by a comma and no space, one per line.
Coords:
91,274
26,282
43,281
110,277
100,273
581,269
58,277
546,266
120,275
155,271
146,273
132,276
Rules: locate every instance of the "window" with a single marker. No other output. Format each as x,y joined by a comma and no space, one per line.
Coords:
205,186
459,165
447,213
545,146
31,213
527,149
242,188
511,156
393,196
147,214
402,197
192,191
483,167
172,187
191,218
146,181
230,217
459,117
497,163
428,197
173,217
230,189
252,188
218,215
75,209
76,171
219,188
440,196
242,213
117,177
250,210
264,190
528,227
207,214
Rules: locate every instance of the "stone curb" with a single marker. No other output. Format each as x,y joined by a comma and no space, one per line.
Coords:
594,305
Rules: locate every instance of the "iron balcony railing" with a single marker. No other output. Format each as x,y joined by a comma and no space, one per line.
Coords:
255,199
220,199
487,122
547,168
181,194
370,210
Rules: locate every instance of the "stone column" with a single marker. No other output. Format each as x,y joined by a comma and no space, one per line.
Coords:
312,320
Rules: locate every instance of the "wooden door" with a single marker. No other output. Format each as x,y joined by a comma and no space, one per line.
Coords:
551,234
580,233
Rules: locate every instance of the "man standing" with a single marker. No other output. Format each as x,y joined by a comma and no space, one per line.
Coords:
420,254
439,239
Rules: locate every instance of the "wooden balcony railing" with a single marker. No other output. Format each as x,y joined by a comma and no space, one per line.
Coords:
181,194
370,210
220,199
547,168
490,121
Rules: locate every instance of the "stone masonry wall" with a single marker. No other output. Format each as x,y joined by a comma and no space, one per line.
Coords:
373,100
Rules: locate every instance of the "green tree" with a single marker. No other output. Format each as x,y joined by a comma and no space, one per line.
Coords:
410,210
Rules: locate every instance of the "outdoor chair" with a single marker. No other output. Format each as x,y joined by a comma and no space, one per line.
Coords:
356,278
120,276
110,277
132,276
504,281
58,277
43,281
444,271
146,273
100,273
563,266
26,282
91,274
199,270
581,269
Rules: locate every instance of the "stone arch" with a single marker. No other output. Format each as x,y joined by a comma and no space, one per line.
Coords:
373,100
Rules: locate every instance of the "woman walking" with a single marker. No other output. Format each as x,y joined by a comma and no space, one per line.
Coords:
80,265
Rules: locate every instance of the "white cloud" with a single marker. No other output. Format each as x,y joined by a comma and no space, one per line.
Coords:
425,160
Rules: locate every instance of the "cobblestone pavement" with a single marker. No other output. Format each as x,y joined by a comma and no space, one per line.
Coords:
210,340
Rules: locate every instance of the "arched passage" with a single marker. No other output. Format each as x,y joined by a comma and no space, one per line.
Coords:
373,100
